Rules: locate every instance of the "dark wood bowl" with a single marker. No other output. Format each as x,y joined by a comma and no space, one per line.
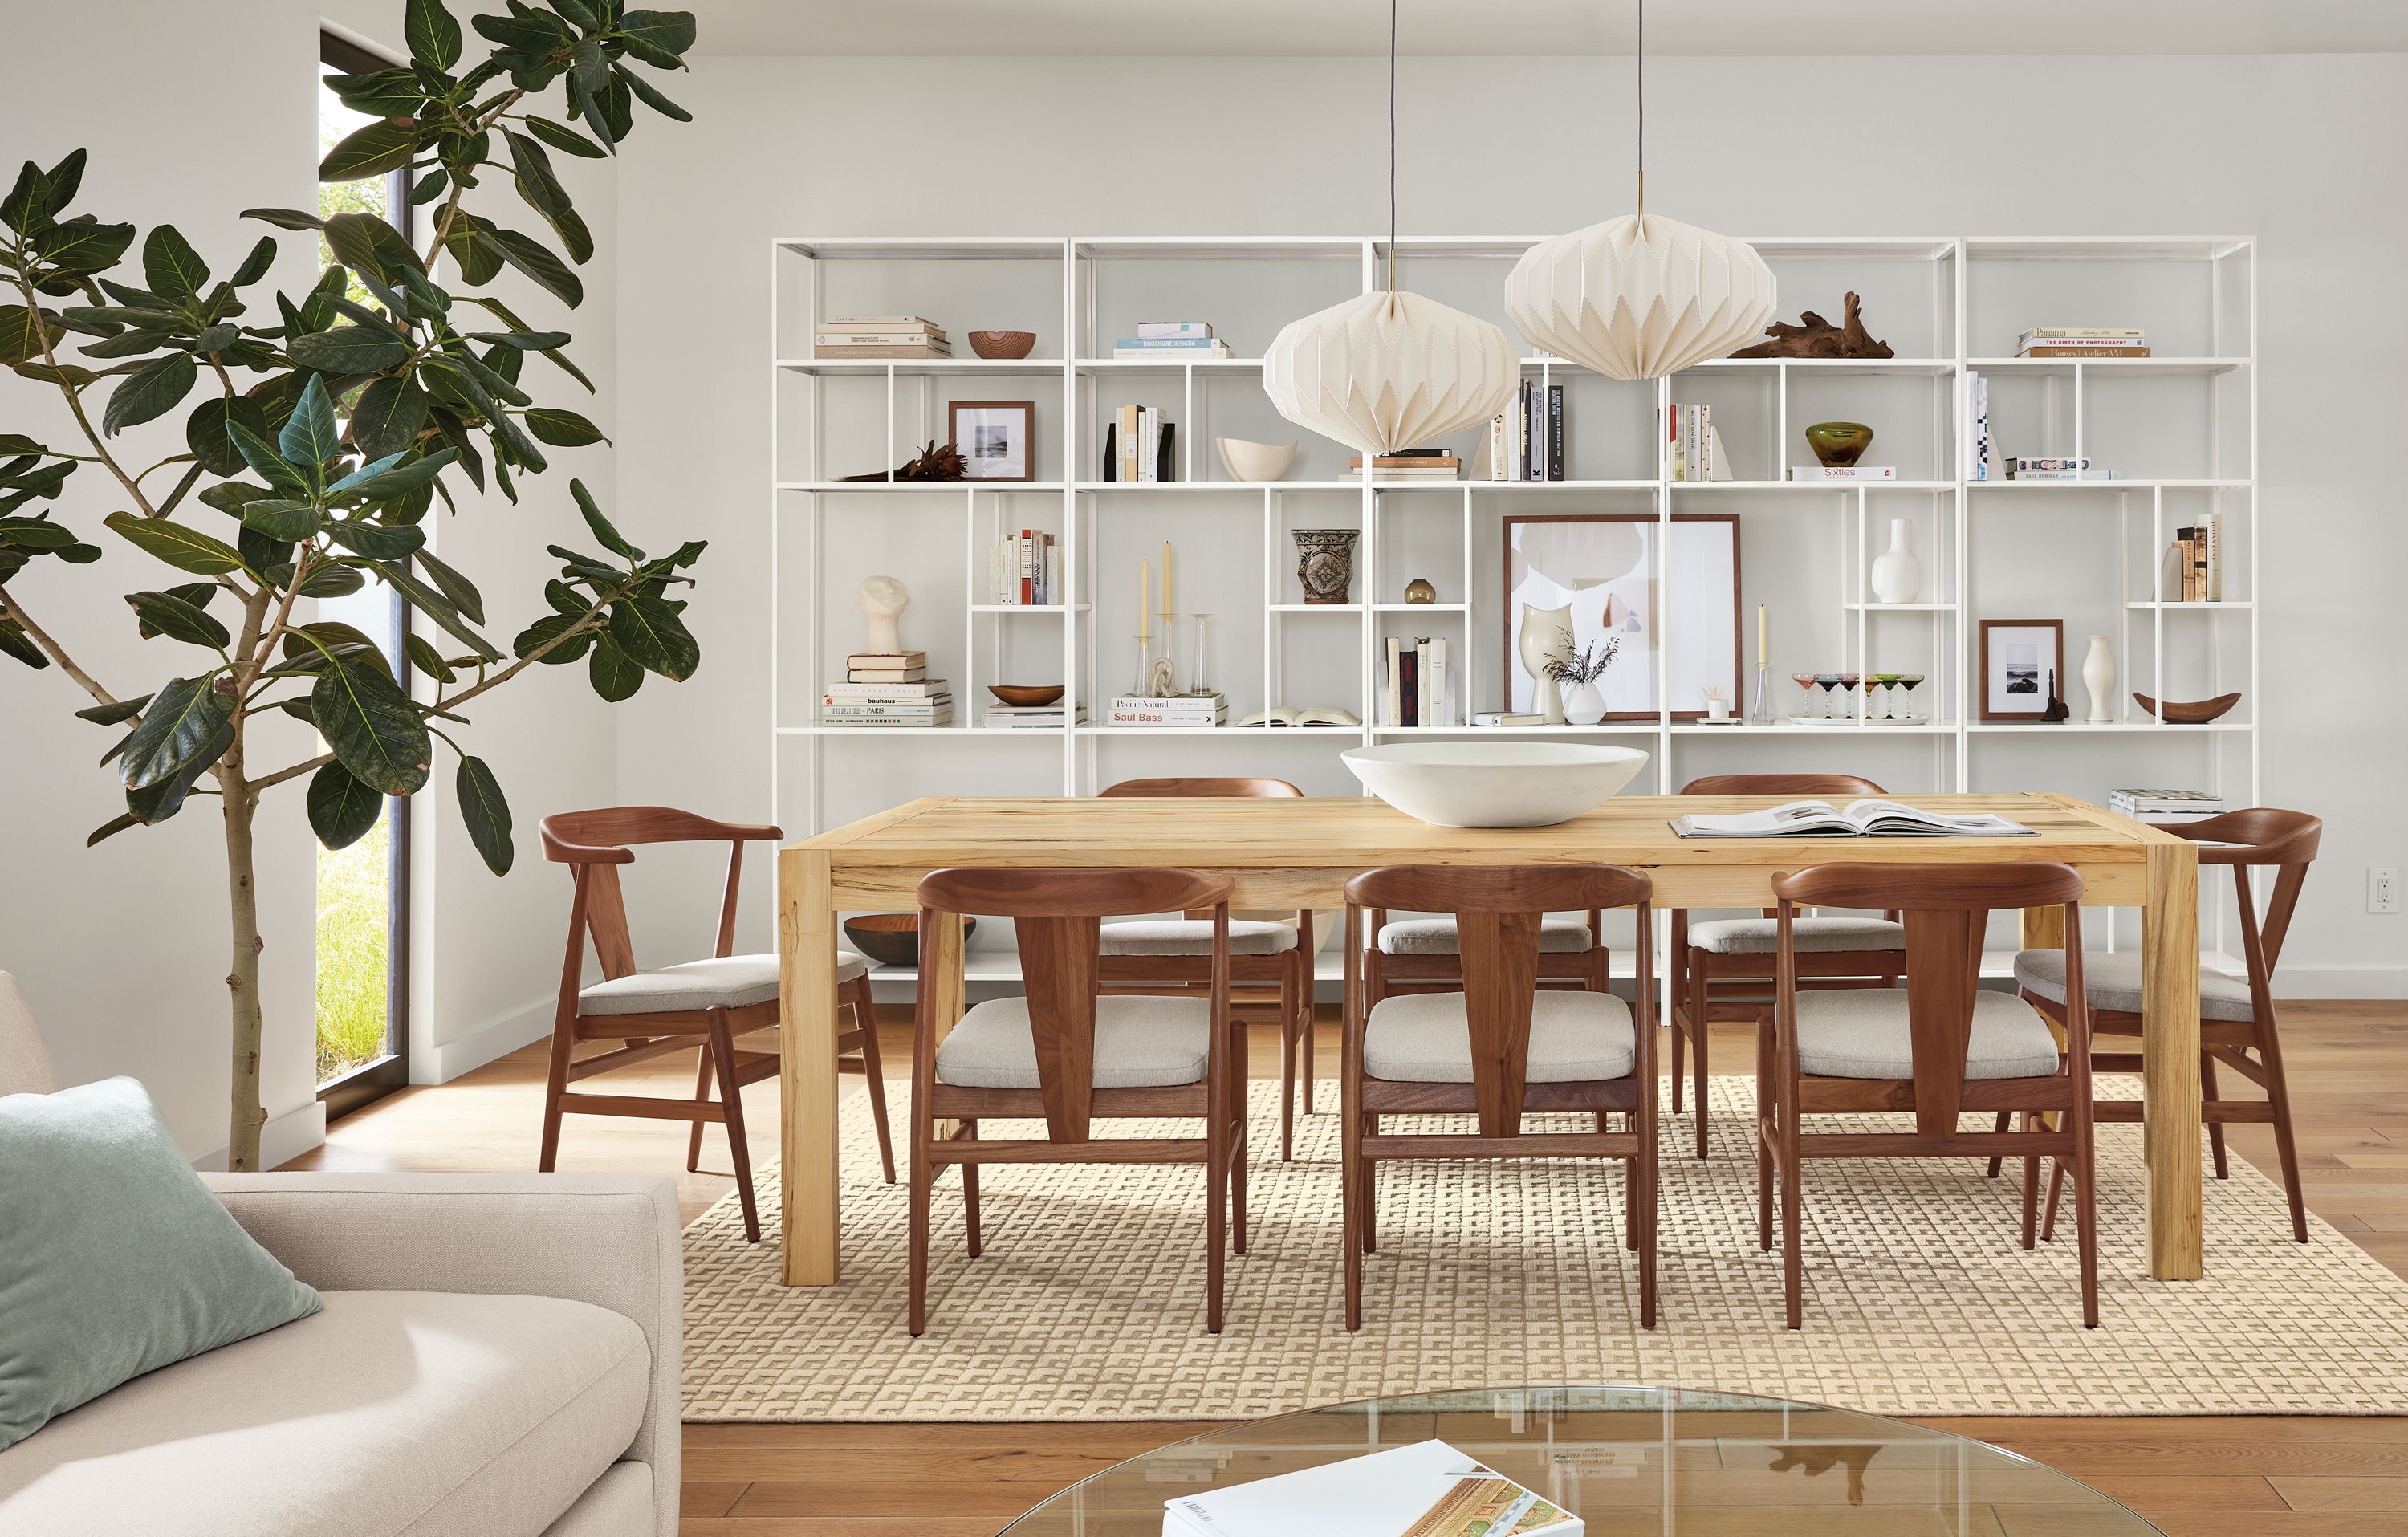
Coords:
1002,344
1026,696
2196,712
891,939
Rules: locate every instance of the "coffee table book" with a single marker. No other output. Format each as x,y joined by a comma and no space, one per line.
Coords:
1426,1489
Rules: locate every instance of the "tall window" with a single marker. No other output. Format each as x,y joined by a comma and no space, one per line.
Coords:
363,890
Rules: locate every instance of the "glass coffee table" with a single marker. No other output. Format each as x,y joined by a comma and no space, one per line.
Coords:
1632,1460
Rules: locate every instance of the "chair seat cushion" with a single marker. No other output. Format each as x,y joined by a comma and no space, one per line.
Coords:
1194,937
1762,936
1141,1042
1862,1032
1436,937
1426,1038
388,1413
2113,979
721,982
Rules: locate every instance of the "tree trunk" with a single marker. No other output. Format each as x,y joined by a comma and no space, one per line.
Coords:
247,1116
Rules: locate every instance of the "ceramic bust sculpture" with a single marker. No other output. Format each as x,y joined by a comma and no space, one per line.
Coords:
882,601
1546,634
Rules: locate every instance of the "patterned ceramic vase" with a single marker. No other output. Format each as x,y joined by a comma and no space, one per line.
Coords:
1325,563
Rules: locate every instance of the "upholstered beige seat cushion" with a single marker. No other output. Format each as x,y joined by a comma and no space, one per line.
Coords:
2114,981
1862,1032
1194,937
721,982
1762,936
1436,937
1141,1042
390,1414
1426,1038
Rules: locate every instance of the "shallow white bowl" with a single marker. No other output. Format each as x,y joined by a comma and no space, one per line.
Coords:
1247,461
1494,784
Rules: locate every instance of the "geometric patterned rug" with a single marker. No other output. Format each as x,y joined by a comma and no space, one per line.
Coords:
1088,1301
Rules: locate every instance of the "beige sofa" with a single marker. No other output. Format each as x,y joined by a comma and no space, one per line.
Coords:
497,1358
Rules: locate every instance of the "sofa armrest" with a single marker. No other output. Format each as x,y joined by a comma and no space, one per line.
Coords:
609,1240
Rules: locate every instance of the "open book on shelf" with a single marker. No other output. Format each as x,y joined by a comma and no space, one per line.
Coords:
1858,819
1426,1489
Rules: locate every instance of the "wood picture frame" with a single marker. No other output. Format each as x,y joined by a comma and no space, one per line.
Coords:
1720,539
996,439
2025,652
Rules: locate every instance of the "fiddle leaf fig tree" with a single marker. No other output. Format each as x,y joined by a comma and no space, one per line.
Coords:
319,432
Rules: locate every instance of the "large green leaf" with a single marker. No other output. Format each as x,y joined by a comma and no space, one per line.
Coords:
260,456
388,415
371,246
548,629
285,218
157,802
178,618
282,521
182,719
432,34
537,262
376,541
109,714
78,246
384,479
650,630
205,434
185,548
342,808
34,534
254,266
613,673
456,585
486,813
651,97
603,528
436,606
348,350
536,181
171,266
153,390
562,428
370,722
426,659
565,139
21,337
658,36
307,647
381,145
311,436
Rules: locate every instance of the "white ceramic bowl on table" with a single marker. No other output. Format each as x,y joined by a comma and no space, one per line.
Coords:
1495,784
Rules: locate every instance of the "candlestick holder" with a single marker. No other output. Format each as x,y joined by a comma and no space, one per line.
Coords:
1199,684
1759,709
1144,666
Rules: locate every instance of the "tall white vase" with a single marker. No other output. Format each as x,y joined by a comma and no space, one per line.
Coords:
1898,572
2099,677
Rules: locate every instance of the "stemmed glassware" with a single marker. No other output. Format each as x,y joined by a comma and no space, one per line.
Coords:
1828,681
1887,683
1805,681
1907,682
1848,681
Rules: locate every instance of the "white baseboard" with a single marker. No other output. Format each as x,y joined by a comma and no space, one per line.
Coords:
447,1061
285,1138
2341,981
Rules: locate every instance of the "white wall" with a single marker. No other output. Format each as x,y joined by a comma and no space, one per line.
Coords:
192,113
2301,151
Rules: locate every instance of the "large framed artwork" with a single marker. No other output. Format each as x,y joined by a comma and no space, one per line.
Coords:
1600,573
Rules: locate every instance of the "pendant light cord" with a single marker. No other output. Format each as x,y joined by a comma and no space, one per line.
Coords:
1640,61
1392,147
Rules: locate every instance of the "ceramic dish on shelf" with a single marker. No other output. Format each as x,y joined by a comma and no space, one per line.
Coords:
893,939
1002,344
2193,712
1494,784
1026,696
1247,461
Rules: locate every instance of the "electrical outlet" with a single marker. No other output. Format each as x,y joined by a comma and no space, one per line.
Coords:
2382,888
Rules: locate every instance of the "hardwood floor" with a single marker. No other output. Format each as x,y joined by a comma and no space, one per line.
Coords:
2204,1477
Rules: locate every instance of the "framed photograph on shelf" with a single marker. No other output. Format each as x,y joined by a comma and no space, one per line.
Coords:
1598,570
998,439
2023,666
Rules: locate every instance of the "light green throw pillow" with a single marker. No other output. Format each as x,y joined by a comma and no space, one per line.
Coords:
114,1258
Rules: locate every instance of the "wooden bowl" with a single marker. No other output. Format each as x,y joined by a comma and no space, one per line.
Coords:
1026,696
891,939
2196,712
1002,343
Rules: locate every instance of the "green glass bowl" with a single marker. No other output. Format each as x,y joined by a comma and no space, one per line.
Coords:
1839,444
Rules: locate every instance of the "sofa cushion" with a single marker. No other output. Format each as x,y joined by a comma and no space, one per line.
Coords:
619,1504
1426,1038
1141,1042
114,1258
390,1414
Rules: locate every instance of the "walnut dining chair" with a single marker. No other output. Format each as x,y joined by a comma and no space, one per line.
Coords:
1270,961
709,1003
1721,968
1498,1049
2236,1014
1936,1047
1068,1055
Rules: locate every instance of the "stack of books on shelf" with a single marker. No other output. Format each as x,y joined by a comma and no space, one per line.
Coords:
1420,687
2082,341
1527,441
1421,464
1173,710
880,336
887,688
1697,445
1839,474
1977,427
1182,341
2194,564
2165,804
1025,570
2061,469
1138,444
1050,717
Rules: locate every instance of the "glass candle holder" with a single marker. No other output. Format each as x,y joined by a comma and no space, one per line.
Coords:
1199,672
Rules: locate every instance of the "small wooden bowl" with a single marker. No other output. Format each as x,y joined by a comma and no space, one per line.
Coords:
1026,696
891,939
2196,712
1002,344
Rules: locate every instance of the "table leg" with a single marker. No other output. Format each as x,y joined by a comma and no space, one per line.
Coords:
806,1129
2169,1059
940,972
2043,928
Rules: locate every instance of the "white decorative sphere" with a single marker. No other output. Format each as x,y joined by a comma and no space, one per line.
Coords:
1388,371
1640,296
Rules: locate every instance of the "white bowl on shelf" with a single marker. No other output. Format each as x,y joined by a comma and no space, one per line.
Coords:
1495,784
1247,461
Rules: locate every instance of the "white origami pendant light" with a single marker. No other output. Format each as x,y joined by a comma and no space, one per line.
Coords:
1388,370
1640,296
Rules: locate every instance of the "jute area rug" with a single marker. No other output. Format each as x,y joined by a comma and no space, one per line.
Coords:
1088,1303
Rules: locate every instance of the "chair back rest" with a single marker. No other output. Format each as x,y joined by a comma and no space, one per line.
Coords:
24,1061
597,843
2260,835
1945,908
1497,911
1058,916
1782,785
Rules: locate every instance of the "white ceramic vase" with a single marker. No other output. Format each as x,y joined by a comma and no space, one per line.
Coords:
1897,571
1584,705
2099,677
1546,634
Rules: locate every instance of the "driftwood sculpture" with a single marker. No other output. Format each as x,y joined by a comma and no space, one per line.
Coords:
1814,336
930,464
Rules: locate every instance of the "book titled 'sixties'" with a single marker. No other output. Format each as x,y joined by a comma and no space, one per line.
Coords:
1426,1489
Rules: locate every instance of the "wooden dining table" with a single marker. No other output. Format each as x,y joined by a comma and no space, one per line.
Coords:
1300,853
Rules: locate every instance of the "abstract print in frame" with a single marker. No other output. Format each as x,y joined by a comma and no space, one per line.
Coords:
1603,567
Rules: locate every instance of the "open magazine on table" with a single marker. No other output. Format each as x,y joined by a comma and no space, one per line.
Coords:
1856,819
1426,1489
